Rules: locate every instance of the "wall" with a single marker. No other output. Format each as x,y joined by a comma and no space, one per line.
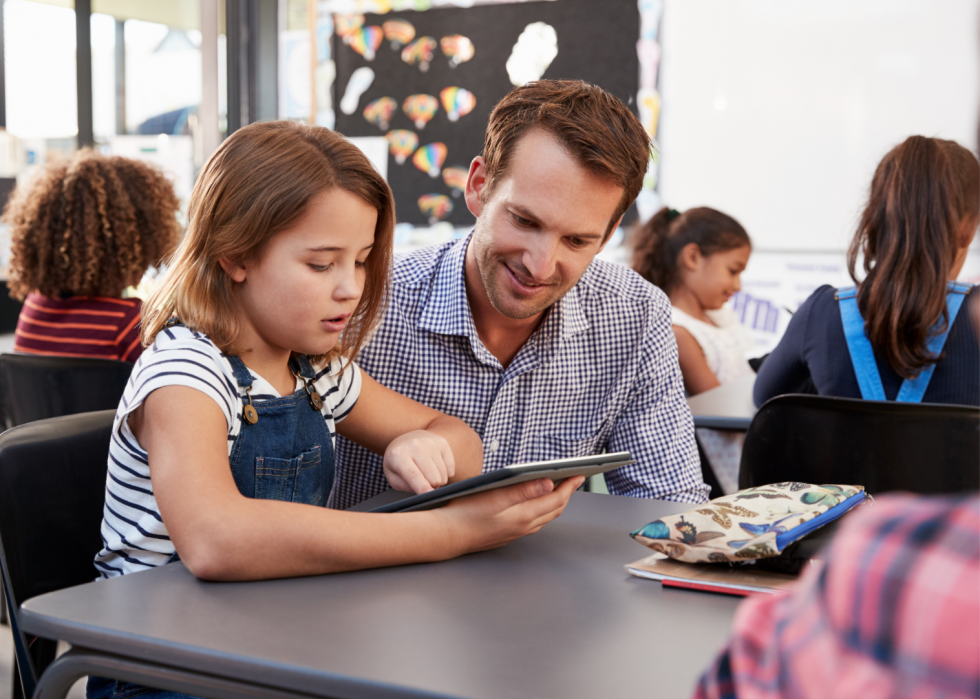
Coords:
778,111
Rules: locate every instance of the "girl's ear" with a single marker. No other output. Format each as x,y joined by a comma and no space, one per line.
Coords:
235,270
690,257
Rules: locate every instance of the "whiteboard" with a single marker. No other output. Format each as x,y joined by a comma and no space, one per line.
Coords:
778,111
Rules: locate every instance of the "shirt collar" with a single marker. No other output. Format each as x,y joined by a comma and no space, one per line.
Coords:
447,310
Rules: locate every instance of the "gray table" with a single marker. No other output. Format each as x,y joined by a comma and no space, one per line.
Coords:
727,407
551,615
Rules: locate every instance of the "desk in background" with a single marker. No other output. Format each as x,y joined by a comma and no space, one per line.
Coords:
551,615
727,407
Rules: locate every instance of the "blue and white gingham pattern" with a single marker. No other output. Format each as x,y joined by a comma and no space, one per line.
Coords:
600,373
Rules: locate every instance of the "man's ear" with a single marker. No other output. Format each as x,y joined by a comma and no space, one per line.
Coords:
235,270
690,257
475,182
609,236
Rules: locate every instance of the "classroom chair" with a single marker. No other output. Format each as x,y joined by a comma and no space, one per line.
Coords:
35,387
708,473
882,445
52,489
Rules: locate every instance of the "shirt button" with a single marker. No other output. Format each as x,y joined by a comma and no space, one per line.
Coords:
494,445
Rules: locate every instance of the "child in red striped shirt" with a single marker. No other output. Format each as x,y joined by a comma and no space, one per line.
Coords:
83,230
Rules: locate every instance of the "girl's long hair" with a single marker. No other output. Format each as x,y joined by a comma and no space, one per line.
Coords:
658,243
921,194
258,183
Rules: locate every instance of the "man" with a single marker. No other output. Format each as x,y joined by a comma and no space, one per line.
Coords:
544,351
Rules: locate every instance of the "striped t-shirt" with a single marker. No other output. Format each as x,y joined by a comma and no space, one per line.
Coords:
133,533
79,326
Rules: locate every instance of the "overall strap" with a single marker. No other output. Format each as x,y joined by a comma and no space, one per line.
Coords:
242,374
859,346
301,365
913,390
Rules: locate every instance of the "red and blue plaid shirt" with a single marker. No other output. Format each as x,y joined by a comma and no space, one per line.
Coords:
894,612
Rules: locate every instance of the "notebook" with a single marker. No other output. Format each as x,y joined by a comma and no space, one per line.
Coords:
741,580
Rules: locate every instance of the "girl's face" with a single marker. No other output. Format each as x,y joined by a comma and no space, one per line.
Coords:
714,278
299,293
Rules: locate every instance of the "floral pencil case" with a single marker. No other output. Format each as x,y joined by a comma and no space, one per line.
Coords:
750,524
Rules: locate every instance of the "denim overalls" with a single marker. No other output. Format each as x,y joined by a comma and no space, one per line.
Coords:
288,453
862,355
285,454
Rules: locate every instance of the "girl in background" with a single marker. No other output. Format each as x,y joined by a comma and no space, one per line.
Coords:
696,257
83,231
907,336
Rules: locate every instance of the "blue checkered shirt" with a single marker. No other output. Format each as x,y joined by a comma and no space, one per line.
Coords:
600,372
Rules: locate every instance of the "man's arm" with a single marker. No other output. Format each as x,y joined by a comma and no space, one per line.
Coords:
657,427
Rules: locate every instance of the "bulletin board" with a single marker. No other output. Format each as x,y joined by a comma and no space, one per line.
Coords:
597,43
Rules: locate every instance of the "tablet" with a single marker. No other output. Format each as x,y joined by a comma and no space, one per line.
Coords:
557,470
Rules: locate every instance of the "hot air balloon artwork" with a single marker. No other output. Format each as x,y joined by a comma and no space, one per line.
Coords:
430,158
457,102
457,48
420,51
420,109
401,144
455,179
380,111
398,32
436,206
366,41
346,25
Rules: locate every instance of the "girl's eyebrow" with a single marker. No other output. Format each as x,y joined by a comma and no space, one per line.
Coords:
327,248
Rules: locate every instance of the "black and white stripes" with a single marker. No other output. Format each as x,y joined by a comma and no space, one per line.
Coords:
134,536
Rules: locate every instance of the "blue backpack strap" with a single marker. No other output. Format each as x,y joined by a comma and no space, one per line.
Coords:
913,390
859,346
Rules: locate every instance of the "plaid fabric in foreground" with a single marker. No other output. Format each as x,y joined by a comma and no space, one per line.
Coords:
895,612
599,373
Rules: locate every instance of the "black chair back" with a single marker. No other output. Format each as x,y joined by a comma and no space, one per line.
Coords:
35,387
917,447
52,490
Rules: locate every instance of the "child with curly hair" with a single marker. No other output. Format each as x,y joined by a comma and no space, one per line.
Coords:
83,230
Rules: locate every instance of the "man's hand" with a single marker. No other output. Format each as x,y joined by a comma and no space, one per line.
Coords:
418,462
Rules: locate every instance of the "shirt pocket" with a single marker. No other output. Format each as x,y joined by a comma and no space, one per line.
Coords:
299,479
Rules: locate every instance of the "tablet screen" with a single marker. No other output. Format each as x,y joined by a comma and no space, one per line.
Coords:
557,470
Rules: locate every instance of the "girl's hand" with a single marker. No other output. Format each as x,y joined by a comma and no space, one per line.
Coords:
419,461
497,517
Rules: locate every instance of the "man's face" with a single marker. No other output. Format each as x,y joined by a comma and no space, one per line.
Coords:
544,221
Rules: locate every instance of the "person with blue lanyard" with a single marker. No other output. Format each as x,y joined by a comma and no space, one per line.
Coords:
902,332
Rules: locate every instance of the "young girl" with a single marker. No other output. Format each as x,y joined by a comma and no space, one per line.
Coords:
82,232
902,333
222,447
696,257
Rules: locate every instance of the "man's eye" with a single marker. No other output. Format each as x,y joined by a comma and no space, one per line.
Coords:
521,221
577,242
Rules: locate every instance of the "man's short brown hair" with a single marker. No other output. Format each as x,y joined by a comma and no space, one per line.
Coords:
595,127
